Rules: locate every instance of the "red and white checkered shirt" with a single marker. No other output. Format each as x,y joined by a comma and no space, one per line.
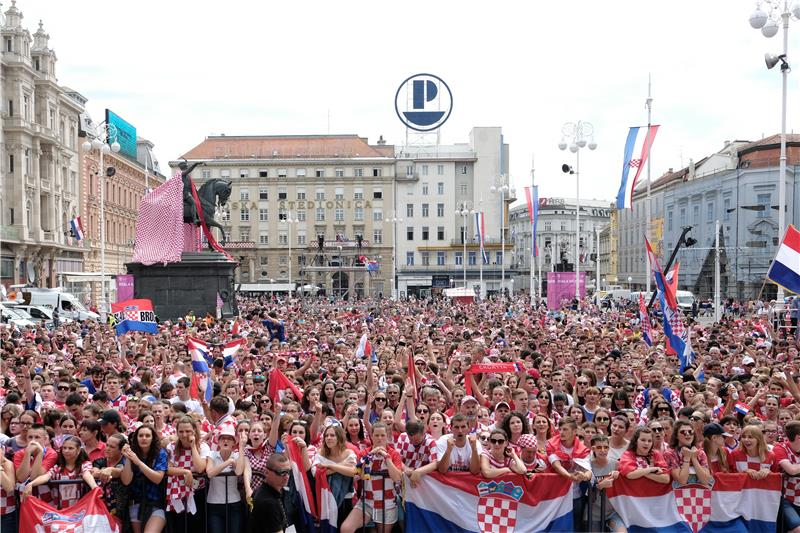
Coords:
8,503
177,490
215,429
739,461
120,403
66,495
416,456
791,484
379,490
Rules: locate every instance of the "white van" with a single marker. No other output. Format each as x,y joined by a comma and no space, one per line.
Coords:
9,315
67,304
685,300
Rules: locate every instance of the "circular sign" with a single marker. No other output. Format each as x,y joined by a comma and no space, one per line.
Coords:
423,102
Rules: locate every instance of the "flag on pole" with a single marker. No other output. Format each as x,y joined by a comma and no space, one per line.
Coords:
481,229
229,351
626,188
644,319
134,315
77,228
785,268
672,280
201,354
532,195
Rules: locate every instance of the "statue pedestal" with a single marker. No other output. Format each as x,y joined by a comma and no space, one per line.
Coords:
192,284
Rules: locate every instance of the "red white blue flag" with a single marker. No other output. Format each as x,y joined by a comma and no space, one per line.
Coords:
77,228
230,349
201,354
785,269
480,228
626,188
135,315
89,514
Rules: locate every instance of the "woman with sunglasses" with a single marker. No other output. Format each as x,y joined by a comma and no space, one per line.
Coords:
659,442
602,420
500,458
659,408
752,455
422,413
640,460
377,402
686,462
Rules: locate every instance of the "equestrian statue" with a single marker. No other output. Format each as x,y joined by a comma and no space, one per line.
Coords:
212,194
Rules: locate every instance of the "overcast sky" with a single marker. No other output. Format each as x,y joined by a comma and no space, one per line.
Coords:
180,70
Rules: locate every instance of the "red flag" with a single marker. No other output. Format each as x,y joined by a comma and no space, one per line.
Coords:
672,281
278,383
89,514
235,327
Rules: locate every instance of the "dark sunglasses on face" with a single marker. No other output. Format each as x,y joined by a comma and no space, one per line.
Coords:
687,432
497,441
657,430
282,473
422,411
602,418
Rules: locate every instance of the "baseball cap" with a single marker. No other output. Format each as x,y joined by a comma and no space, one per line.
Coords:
228,430
715,429
467,399
502,403
747,360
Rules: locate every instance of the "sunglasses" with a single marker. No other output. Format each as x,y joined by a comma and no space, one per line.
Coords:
497,441
687,432
657,430
582,383
602,418
484,437
282,473
380,399
422,411
63,388
662,408
695,418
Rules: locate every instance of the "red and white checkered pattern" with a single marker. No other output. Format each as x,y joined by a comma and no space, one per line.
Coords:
7,502
214,430
791,484
677,324
743,462
379,490
191,238
159,225
416,456
497,515
120,403
177,490
694,505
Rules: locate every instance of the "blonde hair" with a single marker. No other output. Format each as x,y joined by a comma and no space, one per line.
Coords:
761,444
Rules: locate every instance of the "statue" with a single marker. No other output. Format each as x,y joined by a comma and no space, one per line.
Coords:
213,193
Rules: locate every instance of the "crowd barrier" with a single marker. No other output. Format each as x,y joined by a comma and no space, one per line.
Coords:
463,502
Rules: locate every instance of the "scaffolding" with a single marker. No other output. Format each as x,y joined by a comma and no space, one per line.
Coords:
341,265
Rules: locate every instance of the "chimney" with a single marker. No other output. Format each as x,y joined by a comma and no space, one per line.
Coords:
381,141
692,169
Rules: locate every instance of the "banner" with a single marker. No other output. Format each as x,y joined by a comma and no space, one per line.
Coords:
561,288
482,368
124,287
134,315
461,502
89,515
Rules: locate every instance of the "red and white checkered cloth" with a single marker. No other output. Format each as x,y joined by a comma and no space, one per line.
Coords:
379,490
677,324
694,505
180,497
791,484
416,456
8,502
159,225
497,515
191,238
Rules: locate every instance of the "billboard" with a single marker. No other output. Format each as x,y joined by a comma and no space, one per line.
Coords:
126,134
561,288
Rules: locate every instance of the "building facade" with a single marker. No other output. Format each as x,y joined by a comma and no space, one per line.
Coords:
556,238
40,166
437,245
291,194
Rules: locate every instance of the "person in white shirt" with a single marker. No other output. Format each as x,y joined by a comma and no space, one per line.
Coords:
182,389
456,452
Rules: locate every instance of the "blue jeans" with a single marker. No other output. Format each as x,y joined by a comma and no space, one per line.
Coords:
216,517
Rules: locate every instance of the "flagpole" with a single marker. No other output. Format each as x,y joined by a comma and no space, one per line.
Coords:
716,274
649,105
483,251
533,234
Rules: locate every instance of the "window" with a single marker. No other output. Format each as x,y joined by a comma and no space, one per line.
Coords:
377,193
409,258
11,162
439,210
440,233
244,194
206,174
409,210
320,195
710,212
244,214
472,258
764,200
377,215
283,172
358,214
282,193
425,189
696,214
547,226
440,170
244,234
282,260
358,193
377,236
409,170
441,257
300,173
426,258
410,233
425,233
320,214
339,172
669,220
301,238
726,206
339,193
301,193
358,172
263,173
226,214
320,173
440,188
263,215
424,170
26,108
425,210
283,239
263,193
376,172
244,172
459,256
264,260
339,215
301,215
225,173
462,169
463,189
499,258
683,216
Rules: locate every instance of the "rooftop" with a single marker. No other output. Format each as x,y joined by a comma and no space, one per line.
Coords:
287,147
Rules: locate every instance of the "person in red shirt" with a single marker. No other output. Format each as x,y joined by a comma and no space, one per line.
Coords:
752,455
35,459
640,460
72,464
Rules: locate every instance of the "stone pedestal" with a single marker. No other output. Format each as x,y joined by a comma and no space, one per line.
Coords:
192,284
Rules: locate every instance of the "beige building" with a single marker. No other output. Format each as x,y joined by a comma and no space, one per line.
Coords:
293,192
40,163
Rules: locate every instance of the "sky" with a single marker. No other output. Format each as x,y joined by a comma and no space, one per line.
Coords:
180,70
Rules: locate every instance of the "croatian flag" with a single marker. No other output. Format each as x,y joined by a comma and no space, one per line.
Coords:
480,228
672,280
229,351
644,318
460,502
134,315
89,514
626,188
785,269
739,503
364,347
278,383
532,195
77,228
308,505
328,510
200,380
646,506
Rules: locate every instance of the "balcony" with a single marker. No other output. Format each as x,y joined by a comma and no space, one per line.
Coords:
407,178
457,270
475,242
236,245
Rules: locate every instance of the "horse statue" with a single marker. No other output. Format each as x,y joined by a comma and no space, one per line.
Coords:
213,193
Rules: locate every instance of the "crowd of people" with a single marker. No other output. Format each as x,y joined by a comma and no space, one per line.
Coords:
589,400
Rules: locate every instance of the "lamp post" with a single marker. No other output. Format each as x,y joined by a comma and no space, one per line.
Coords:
105,141
502,189
289,223
577,135
395,220
768,23
464,211
630,281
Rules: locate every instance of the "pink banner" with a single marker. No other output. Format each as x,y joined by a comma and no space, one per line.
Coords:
124,288
561,288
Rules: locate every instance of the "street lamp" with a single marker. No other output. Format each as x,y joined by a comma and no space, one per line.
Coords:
289,223
577,135
105,141
630,281
768,23
502,189
395,220
341,295
464,211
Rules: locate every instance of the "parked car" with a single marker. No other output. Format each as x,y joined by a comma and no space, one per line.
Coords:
9,315
41,314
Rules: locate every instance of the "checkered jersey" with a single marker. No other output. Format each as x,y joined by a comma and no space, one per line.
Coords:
68,494
159,225
177,490
379,489
791,484
258,464
8,503
739,461
120,403
416,456
213,430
